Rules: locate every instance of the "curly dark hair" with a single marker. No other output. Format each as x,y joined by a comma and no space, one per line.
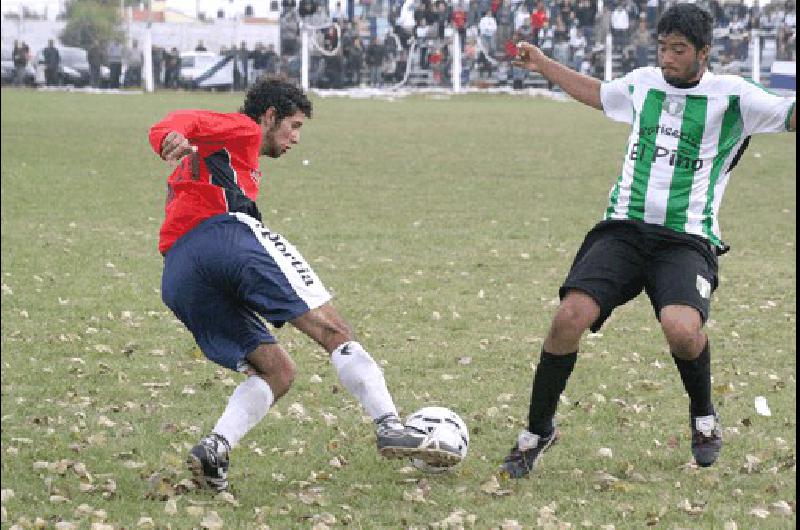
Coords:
278,92
691,21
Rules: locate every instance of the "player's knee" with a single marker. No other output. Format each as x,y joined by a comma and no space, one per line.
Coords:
275,366
571,320
684,335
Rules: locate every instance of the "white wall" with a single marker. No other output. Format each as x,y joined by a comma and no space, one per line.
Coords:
231,8
183,36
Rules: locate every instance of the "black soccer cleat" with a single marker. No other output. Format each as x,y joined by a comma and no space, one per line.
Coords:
396,440
525,454
706,439
208,461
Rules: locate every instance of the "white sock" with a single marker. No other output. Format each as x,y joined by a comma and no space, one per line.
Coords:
247,406
363,378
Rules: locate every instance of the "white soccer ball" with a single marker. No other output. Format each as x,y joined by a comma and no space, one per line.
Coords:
443,427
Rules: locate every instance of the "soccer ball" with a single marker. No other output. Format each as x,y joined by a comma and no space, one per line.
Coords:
443,426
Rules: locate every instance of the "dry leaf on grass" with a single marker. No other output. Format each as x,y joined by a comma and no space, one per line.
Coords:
171,507
761,513
212,521
692,508
782,507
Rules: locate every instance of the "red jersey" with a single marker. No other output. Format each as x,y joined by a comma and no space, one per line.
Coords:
226,177
538,19
459,19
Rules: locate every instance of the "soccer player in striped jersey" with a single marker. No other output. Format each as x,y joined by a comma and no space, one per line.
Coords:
660,233
225,273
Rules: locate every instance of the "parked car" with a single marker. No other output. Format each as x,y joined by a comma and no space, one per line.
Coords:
8,70
206,70
73,69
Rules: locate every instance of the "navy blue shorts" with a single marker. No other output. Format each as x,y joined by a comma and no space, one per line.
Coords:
227,276
620,259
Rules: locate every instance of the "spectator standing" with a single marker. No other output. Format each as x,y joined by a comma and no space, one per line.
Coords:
790,19
483,6
522,18
114,63
338,14
401,64
577,46
620,25
473,15
94,56
561,41
641,43
272,59
633,10
459,19
435,60
586,12
243,62
374,61
354,61
133,61
290,33
440,18
602,25
539,20
487,28
52,60
21,56
628,62
259,55
422,33
172,66
652,12
157,53
505,22
200,47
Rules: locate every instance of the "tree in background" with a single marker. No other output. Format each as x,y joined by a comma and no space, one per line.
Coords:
92,22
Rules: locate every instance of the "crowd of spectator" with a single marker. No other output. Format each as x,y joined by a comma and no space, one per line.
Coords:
570,31
378,42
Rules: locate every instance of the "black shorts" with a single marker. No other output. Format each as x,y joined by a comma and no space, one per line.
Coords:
619,259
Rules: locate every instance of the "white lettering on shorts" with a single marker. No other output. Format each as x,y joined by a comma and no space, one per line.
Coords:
703,287
294,267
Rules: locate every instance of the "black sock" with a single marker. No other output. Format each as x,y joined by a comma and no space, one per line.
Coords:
696,377
548,383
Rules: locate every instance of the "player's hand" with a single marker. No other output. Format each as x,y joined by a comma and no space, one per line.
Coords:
175,146
530,57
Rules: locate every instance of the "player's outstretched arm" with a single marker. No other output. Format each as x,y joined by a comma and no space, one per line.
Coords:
581,87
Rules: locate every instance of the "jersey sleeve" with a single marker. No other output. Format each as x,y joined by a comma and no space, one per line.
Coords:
763,111
616,98
204,128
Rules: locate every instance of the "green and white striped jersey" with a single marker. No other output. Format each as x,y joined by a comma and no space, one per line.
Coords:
683,145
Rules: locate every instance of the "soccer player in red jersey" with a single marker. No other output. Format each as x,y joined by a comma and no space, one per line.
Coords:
223,269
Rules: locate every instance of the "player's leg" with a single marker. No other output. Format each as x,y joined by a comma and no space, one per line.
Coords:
607,272
363,378
281,285
680,282
201,285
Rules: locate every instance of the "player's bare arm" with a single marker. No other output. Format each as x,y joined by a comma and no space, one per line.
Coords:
175,146
581,87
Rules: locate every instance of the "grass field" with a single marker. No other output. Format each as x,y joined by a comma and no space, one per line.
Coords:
444,227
